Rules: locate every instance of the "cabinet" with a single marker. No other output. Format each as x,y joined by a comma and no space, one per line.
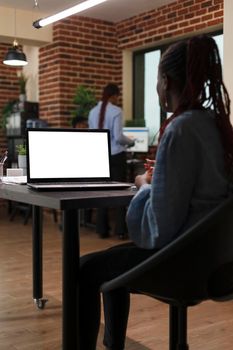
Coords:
16,126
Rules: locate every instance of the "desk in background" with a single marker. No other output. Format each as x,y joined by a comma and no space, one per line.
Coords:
68,202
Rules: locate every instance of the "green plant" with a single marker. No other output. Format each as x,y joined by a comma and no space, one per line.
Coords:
21,149
7,109
135,122
22,83
85,100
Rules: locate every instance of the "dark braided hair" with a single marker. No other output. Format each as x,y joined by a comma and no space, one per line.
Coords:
195,65
109,91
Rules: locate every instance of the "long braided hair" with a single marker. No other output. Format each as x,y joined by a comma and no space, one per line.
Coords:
109,91
195,65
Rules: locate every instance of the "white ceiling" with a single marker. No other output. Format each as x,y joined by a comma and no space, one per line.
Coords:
111,10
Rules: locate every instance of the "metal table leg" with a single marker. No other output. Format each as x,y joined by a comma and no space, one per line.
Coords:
37,256
70,280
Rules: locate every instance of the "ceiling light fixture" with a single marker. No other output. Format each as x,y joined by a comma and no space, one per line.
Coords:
15,57
66,13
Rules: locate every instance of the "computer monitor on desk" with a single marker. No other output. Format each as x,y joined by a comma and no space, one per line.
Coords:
141,137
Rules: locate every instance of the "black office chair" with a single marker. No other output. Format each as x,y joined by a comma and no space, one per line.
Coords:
197,266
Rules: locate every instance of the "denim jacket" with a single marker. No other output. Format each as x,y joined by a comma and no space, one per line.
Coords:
189,180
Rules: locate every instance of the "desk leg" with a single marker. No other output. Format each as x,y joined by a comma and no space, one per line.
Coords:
37,256
70,280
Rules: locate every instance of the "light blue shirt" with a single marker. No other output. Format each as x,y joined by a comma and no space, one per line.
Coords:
189,181
113,122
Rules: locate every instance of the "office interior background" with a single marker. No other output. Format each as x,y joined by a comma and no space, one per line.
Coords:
104,46
118,41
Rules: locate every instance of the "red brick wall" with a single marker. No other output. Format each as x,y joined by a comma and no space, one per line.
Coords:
9,88
179,18
89,52
84,51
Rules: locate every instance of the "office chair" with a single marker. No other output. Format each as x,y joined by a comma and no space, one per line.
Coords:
196,266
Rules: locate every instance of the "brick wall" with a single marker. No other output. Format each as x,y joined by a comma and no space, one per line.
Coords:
84,51
9,88
89,52
177,19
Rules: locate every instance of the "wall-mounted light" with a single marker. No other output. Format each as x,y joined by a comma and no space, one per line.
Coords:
15,57
66,13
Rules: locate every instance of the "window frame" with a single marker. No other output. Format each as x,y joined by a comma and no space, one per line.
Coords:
142,52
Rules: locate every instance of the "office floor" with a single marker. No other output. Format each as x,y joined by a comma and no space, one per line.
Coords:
24,327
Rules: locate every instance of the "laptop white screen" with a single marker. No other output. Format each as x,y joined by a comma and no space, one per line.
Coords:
68,154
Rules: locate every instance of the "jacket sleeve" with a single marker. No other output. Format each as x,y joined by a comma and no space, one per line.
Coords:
118,133
157,213
140,220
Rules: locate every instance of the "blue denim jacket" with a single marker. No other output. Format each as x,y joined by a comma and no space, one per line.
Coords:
189,180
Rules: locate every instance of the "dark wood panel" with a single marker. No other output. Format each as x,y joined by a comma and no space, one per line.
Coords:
66,199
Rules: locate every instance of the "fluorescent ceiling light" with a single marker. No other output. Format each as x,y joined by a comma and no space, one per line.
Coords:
66,13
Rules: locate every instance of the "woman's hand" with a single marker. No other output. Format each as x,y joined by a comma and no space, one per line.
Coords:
147,176
149,165
141,180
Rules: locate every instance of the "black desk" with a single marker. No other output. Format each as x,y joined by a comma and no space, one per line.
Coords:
69,202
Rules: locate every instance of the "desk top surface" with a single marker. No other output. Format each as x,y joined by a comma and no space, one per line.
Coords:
66,199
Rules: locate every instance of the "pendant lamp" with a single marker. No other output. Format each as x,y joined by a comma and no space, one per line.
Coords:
15,57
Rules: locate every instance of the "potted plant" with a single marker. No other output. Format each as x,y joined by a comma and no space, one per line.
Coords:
22,157
85,100
7,110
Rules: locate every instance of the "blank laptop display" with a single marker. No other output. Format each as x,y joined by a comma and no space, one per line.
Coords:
69,158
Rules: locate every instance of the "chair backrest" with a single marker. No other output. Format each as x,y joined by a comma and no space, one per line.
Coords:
183,270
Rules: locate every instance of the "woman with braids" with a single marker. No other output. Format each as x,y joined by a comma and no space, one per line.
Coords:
191,177
107,115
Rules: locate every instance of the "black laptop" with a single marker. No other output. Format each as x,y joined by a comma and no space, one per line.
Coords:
69,159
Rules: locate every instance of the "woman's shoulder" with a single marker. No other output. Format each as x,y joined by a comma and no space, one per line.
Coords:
190,125
191,118
95,109
114,109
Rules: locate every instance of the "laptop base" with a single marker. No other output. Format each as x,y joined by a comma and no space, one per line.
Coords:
79,186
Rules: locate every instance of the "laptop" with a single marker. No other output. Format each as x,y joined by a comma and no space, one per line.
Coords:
69,159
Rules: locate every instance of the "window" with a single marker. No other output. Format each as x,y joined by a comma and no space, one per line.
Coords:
145,100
